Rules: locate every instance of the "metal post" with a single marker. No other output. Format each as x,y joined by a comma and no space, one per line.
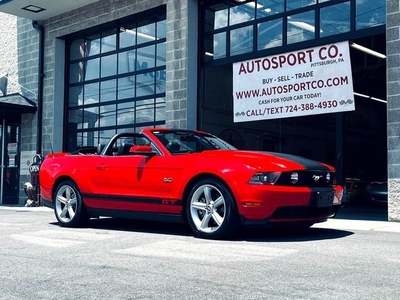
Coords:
3,141
339,149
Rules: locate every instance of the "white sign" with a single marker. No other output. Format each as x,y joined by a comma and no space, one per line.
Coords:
26,160
306,82
12,149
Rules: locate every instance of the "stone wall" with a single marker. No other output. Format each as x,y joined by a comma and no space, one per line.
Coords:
181,85
393,106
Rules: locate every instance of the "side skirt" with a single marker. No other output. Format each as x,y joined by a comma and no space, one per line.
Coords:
124,214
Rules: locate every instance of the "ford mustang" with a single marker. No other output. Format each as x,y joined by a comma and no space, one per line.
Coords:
187,176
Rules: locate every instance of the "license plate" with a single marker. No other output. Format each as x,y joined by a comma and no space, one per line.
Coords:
325,199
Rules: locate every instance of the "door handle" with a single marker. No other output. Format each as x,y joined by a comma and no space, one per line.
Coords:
102,167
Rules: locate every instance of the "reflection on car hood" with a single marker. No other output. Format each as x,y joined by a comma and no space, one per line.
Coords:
267,159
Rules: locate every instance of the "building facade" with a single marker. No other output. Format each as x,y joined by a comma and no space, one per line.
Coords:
111,66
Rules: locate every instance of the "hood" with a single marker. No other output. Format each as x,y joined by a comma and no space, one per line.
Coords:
269,160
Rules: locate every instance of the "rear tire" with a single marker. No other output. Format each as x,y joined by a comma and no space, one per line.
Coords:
68,205
211,210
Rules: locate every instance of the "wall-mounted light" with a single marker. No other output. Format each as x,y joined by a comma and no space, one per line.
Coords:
253,5
303,25
367,50
33,8
133,32
369,97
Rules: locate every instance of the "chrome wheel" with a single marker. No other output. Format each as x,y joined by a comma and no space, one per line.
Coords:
68,205
207,208
211,210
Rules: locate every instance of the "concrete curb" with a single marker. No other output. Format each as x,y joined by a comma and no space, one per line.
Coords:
364,225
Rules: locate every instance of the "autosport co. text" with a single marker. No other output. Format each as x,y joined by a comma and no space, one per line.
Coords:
289,60
295,87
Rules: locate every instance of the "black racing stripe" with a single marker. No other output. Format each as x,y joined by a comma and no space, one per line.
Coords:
307,163
122,198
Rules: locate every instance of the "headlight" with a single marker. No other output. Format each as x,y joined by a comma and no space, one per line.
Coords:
268,178
294,177
328,177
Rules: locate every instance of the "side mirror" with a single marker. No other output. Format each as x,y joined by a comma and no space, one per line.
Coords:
142,150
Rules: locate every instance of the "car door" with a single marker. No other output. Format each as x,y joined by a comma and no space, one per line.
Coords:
126,182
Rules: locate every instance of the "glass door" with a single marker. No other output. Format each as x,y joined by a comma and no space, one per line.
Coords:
9,159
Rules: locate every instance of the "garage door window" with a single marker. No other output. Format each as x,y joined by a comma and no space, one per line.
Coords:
116,82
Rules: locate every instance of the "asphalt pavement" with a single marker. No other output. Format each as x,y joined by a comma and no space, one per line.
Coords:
354,256
348,218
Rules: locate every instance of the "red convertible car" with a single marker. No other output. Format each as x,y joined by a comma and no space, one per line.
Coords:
187,176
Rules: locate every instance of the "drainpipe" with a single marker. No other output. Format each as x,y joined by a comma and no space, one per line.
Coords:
40,29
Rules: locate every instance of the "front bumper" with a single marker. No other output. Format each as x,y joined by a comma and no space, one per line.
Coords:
262,204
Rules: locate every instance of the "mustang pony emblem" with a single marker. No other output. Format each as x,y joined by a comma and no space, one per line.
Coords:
317,177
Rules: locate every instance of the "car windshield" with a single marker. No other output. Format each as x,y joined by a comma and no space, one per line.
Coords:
191,141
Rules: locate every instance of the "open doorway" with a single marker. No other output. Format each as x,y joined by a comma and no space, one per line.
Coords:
364,130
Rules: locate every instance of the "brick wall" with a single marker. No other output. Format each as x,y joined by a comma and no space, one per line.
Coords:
393,106
28,54
181,85
8,51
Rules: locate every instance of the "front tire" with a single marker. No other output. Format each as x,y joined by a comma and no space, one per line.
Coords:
211,210
68,205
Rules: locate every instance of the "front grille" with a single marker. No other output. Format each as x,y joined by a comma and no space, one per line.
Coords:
307,178
301,212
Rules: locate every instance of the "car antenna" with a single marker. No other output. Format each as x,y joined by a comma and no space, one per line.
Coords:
51,146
